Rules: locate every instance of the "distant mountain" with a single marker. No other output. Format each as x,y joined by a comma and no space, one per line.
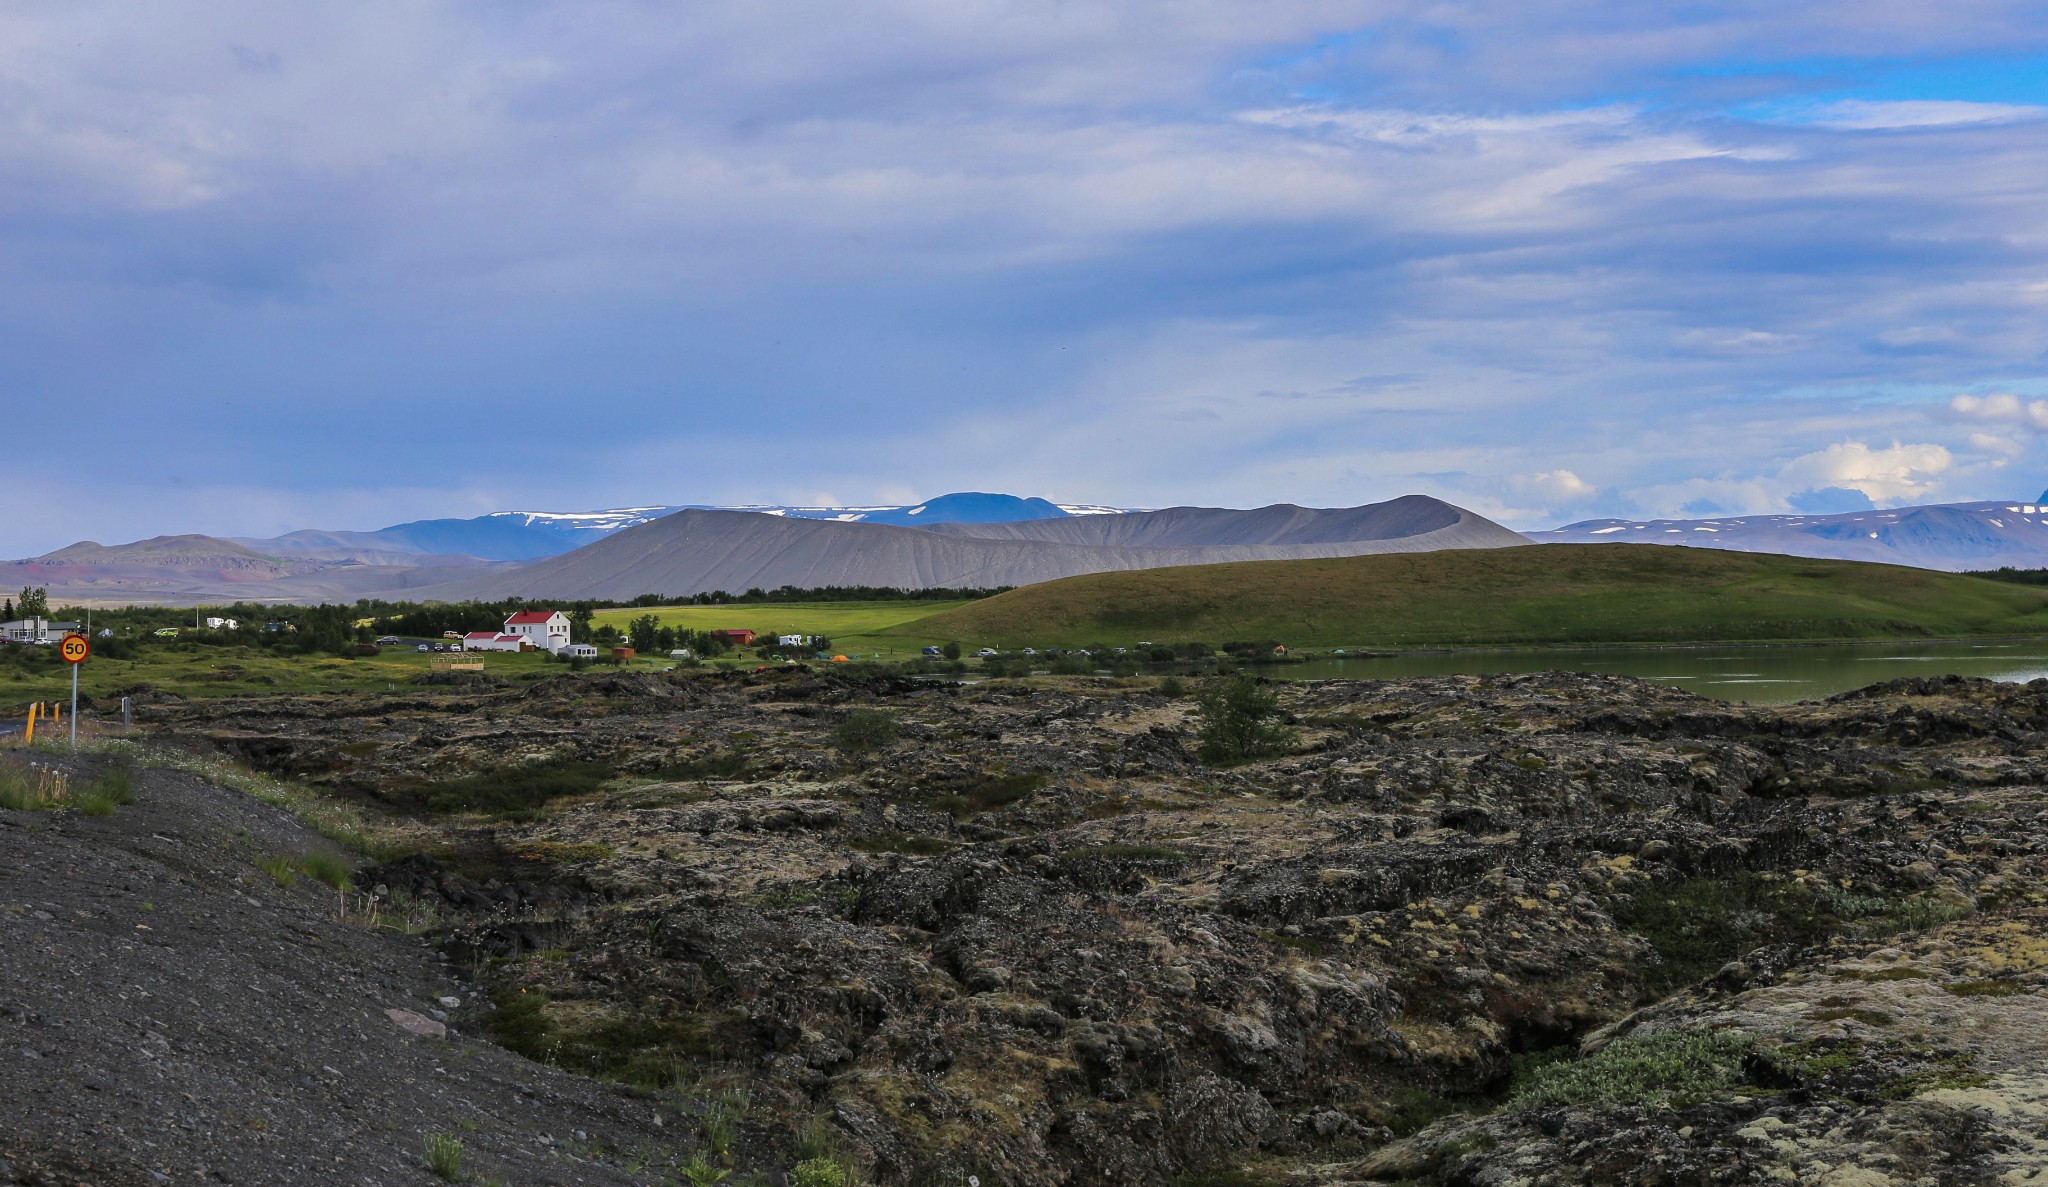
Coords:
695,551
1951,536
157,568
530,535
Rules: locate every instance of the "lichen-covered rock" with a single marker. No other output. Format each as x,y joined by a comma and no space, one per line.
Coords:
1033,939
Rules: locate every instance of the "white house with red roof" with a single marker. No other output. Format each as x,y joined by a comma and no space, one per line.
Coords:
543,630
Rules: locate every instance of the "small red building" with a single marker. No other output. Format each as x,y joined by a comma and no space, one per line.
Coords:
742,638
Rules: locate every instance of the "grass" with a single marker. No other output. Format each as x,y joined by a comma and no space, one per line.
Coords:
855,628
35,789
513,791
1699,924
205,670
444,1155
1552,594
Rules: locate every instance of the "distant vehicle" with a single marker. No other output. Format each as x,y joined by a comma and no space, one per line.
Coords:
1029,651
986,652
165,632
440,647
451,634
389,641
1118,650
424,647
933,651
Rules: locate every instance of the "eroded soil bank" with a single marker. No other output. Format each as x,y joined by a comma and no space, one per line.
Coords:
1518,929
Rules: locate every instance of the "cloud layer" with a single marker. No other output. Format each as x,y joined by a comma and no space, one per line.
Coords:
296,266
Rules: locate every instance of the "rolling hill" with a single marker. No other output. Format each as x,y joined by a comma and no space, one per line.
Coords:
695,551
1548,594
1951,536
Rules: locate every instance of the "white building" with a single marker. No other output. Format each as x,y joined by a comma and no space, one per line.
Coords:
493,641
223,624
35,630
795,640
545,630
580,651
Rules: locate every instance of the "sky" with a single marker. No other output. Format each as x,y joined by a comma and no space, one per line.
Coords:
274,265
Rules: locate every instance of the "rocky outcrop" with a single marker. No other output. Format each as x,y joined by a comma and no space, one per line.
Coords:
1033,939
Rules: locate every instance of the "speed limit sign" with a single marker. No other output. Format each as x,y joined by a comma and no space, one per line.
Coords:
74,649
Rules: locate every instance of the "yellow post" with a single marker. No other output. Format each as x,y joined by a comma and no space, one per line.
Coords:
29,738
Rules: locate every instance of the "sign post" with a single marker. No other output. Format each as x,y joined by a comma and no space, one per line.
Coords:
74,649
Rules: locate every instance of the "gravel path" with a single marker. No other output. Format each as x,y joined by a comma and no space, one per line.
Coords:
170,1014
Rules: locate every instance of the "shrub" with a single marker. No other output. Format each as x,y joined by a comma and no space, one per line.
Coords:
820,1172
863,730
444,1155
1662,1072
699,1173
1237,721
1172,687
280,870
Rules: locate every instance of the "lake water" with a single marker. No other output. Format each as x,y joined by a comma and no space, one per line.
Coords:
1759,675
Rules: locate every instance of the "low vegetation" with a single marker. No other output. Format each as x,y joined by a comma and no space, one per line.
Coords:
1548,594
1667,1071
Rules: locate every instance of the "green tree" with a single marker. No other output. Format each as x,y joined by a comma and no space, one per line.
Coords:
863,730
1238,721
579,625
950,651
35,603
644,632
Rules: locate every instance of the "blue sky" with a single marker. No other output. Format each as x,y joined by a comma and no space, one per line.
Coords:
289,265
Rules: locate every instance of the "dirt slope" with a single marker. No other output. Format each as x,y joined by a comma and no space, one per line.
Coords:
169,1014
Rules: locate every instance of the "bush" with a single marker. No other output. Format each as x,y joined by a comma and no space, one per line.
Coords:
1172,687
1667,1071
820,1172
863,730
1237,721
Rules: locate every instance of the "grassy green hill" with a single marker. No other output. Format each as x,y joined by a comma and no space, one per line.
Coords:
1548,594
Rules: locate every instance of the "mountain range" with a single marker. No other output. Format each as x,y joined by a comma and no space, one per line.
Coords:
528,535
1951,536
964,539
968,539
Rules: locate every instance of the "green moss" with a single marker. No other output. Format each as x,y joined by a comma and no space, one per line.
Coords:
1987,987
514,792
990,792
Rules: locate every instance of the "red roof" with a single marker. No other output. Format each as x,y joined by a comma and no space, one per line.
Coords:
525,617
481,635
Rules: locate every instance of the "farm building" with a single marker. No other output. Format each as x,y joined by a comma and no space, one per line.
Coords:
494,641
544,630
741,638
580,651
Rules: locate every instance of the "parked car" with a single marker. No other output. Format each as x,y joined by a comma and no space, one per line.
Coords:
389,641
986,653
933,651
423,647
1029,651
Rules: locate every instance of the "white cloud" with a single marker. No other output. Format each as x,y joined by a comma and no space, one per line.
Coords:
2003,408
1893,474
1557,487
1858,114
